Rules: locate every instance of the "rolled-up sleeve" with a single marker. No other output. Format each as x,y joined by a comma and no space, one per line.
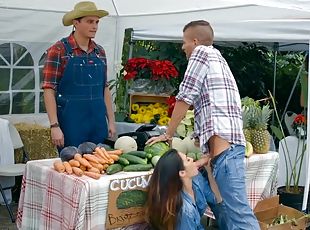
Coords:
53,67
195,74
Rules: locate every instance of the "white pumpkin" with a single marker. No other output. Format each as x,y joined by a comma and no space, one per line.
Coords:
126,143
190,145
178,144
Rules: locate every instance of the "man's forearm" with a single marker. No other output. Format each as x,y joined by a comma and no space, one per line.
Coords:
50,105
178,115
108,103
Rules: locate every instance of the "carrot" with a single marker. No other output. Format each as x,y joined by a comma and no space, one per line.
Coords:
115,151
83,168
93,175
58,166
100,152
114,157
94,169
82,160
98,166
106,156
77,171
68,167
90,157
105,153
105,166
110,161
74,163
100,159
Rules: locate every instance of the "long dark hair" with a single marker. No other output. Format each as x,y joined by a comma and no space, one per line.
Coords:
164,193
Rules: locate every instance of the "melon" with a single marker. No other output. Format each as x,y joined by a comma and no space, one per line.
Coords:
157,149
178,144
190,145
248,149
126,143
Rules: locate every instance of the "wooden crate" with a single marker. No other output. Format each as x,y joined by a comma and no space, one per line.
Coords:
147,98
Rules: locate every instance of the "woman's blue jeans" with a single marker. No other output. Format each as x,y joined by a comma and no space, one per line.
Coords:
229,172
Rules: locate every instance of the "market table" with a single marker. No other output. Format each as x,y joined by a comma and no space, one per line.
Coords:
261,177
52,200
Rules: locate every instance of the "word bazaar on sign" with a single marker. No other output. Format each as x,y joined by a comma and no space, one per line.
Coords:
124,219
126,202
130,183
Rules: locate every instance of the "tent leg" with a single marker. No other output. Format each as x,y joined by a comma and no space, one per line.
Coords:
306,190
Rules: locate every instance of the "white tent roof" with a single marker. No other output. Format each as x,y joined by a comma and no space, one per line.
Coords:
39,21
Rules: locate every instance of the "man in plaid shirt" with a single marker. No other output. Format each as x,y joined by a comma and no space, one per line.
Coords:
76,95
210,87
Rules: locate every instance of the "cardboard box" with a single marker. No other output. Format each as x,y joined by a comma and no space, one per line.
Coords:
141,98
268,209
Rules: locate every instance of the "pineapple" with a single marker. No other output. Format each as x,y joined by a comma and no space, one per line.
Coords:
260,137
249,116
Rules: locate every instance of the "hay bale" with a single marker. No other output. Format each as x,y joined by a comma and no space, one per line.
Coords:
37,141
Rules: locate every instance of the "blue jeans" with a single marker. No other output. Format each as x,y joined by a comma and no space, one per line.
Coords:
229,173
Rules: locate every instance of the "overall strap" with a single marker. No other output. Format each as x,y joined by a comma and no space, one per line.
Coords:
97,50
67,46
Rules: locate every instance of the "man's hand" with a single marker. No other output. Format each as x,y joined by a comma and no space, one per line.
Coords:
57,137
160,138
112,130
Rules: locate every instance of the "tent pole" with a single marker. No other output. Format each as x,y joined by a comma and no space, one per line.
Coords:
130,45
275,52
129,56
292,91
306,189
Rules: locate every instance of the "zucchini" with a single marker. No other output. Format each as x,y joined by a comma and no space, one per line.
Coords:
114,169
137,167
123,161
134,159
141,154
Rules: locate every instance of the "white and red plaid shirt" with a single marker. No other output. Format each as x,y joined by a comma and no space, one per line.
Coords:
210,87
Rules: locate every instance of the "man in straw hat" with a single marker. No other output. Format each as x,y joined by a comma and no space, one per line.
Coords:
76,95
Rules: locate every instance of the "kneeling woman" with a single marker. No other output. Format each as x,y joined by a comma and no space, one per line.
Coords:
176,199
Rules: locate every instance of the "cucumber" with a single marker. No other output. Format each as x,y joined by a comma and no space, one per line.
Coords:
141,154
134,159
137,167
114,169
123,161
131,199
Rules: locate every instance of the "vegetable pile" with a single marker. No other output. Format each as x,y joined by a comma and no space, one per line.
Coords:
282,219
94,160
88,159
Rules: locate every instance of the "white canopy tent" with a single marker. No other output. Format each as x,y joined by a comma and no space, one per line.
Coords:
36,24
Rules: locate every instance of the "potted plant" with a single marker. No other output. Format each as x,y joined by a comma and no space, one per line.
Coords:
291,194
150,76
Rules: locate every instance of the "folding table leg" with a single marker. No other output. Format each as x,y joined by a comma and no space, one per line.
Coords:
7,203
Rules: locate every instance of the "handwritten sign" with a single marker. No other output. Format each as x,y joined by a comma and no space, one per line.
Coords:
127,197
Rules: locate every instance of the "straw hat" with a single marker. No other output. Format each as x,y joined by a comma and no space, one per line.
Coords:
82,9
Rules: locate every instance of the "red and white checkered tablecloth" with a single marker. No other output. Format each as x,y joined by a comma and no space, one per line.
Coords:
52,200
261,177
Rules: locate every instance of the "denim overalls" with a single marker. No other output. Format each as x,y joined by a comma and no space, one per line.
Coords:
80,98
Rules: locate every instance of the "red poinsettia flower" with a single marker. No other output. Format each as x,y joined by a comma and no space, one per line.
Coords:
146,68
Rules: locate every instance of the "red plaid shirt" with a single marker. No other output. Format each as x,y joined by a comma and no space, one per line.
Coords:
57,58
